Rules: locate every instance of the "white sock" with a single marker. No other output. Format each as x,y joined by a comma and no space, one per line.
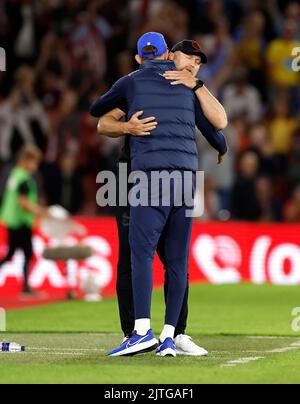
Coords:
142,326
167,332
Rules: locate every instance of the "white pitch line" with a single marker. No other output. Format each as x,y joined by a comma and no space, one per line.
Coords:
43,353
266,337
67,349
293,347
244,361
103,334
283,350
55,353
243,352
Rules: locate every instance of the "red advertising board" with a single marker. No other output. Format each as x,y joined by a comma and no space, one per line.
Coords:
220,253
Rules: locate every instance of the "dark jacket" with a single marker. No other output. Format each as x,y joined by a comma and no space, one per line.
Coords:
172,145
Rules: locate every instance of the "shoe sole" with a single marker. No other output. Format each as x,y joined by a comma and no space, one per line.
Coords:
138,349
145,351
183,353
167,352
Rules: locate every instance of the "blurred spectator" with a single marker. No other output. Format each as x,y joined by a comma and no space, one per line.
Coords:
63,54
260,143
220,50
282,127
270,207
291,12
68,124
211,200
239,128
53,57
240,98
222,177
23,30
111,148
88,39
169,19
292,209
213,12
65,184
245,203
294,166
23,120
251,48
125,64
50,88
280,58
83,83
140,12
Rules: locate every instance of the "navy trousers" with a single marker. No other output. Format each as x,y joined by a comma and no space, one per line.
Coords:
124,278
147,223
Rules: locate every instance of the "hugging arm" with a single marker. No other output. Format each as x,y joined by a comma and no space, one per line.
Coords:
111,125
111,107
212,109
214,137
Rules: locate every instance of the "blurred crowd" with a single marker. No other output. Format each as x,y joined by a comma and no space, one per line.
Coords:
62,54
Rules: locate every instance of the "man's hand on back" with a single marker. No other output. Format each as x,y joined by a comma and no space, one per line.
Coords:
184,77
140,127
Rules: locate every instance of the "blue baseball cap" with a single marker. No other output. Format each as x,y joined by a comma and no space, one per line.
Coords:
152,39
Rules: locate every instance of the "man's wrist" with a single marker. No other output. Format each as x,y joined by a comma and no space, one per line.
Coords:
199,84
193,84
125,128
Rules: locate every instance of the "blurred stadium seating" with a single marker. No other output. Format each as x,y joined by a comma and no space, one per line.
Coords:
63,54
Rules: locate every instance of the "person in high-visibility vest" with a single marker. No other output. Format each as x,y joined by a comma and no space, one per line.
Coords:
20,208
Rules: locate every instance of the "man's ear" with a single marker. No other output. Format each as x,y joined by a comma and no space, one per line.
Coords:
166,55
138,59
171,56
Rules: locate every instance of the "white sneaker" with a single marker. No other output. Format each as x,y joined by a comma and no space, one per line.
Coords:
186,346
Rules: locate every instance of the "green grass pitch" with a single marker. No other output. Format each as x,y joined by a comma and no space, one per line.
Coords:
246,328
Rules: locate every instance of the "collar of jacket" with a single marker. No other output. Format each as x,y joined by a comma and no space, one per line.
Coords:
161,65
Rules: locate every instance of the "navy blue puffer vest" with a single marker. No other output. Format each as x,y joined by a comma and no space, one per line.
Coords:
172,146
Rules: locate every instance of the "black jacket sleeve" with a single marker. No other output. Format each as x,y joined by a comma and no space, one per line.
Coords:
214,137
116,97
